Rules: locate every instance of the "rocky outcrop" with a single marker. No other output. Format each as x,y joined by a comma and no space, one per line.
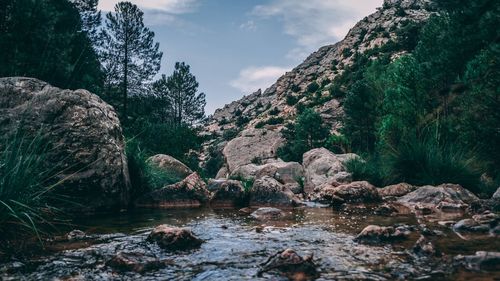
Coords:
252,146
358,191
83,135
169,165
445,198
396,190
280,102
190,192
321,167
227,194
267,191
174,238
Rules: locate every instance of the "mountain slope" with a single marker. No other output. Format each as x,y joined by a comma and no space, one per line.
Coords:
320,81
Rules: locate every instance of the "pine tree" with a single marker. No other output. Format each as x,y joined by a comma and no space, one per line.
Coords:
129,54
180,93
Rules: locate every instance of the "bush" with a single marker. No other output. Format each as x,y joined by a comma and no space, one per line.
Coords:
295,88
271,121
291,100
214,163
242,120
274,111
230,134
313,87
368,170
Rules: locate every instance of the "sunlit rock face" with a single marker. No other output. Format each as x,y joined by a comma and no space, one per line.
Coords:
85,145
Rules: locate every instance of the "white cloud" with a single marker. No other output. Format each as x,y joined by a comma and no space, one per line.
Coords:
314,23
248,25
253,78
168,6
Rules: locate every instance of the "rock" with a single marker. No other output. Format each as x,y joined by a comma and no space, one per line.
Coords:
245,211
136,262
396,190
291,265
424,247
481,261
267,191
290,174
76,235
251,145
496,195
227,194
378,234
445,197
478,223
223,173
246,172
190,192
174,238
168,164
358,191
322,166
267,213
84,133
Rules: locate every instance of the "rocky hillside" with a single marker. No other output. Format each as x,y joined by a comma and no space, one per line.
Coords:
319,82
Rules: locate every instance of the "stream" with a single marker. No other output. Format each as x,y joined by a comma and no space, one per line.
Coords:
235,245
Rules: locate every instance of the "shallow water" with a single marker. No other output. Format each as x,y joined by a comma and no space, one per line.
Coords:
233,249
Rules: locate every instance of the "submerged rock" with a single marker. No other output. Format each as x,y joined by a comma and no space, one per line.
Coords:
174,238
76,235
322,166
478,223
137,262
86,149
424,247
291,265
169,165
227,193
190,192
359,191
378,234
481,261
267,213
267,191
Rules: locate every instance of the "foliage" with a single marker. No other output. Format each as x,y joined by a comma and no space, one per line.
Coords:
230,134
291,100
182,104
214,163
313,87
270,121
47,40
25,188
307,133
129,55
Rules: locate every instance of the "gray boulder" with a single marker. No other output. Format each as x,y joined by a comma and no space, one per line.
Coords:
445,198
252,145
322,166
267,191
190,192
84,137
396,190
358,191
168,164
267,213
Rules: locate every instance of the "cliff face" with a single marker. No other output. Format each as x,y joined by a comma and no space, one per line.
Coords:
316,82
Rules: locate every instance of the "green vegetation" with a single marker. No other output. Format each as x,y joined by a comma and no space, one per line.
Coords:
25,188
432,116
307,133
270,121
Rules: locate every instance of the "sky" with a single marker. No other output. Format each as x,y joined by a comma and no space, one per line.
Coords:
235,47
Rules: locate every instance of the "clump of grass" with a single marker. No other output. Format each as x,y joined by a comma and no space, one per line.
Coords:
25,188
145,177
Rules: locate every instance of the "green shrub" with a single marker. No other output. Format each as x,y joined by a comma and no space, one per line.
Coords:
313,87
367,170
291,100
274,111
295,88
270,121
230,134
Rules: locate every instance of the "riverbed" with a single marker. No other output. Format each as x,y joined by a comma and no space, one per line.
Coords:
235,245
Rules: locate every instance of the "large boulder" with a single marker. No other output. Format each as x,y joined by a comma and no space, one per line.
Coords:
267,191
322,166
290,174
190,192
378,234
227,193
445,197
84,136
358,191
171,166
267,213
252,145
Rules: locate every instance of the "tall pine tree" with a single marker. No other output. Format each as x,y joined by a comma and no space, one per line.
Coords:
180,94
129,54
